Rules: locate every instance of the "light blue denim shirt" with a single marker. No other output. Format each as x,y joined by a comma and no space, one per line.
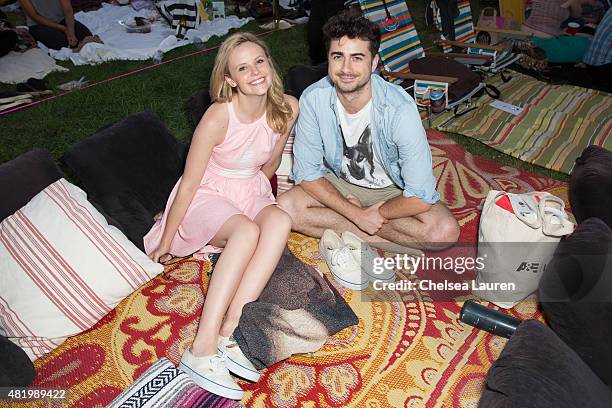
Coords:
400,143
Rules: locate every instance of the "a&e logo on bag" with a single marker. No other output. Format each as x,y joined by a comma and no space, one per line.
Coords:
530,267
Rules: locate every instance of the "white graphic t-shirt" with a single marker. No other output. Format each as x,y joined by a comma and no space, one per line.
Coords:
359,163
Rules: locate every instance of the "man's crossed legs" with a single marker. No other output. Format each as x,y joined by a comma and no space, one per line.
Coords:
434,229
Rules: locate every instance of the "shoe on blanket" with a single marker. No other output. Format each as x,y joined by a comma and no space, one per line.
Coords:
210,373
365,255
34,87
235,360
10,97
6,106
344,266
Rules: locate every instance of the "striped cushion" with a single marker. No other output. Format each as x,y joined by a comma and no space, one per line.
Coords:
63,268
284,170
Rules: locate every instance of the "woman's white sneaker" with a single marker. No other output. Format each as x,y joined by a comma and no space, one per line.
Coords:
211,374
235,360
344,266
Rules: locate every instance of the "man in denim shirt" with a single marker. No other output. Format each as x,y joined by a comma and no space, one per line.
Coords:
362,162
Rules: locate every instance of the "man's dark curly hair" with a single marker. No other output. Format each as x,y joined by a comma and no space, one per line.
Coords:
353,24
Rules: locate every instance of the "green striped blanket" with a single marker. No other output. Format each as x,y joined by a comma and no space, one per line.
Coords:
557,123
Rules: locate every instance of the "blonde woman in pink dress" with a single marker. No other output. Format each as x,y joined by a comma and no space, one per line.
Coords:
224,201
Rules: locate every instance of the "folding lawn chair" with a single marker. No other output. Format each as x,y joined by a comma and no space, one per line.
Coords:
400,45
464,36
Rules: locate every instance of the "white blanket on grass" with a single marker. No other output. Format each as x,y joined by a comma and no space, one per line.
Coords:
121,45
18,67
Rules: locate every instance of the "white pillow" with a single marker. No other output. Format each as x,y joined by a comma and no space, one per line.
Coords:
283,183
62,268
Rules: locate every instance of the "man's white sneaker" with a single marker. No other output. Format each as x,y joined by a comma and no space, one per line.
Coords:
236,361
210,373
342,263
366,257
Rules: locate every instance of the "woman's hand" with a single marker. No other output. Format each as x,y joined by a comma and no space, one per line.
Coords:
161,254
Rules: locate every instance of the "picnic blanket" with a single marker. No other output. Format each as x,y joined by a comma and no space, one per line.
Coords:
18,67
121,45
406,350
557,123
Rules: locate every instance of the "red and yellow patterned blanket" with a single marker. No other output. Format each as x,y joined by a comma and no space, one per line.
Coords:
409,352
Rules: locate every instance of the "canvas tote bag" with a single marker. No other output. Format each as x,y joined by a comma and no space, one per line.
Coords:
488,19
517,237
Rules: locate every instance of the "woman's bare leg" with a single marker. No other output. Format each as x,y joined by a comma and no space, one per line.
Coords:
239,237
274,226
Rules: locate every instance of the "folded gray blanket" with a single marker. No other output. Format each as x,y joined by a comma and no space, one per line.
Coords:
296,313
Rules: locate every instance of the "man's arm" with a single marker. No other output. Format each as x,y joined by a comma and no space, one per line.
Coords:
367,219
415,167
402,207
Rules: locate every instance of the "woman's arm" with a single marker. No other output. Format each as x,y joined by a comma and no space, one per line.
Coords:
574,7
69,19
209,133
29,9
275,160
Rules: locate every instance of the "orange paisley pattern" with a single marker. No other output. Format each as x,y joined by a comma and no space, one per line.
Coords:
406,351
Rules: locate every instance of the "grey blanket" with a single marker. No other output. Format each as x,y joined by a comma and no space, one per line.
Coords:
296,313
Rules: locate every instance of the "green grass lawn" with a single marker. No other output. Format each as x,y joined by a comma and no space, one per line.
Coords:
57,124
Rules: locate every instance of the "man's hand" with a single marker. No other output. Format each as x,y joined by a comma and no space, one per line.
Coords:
370,220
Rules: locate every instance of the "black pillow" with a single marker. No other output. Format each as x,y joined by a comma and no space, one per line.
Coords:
16,369
197,104
24,177
536,369
300,77
129,169
576,294
590,190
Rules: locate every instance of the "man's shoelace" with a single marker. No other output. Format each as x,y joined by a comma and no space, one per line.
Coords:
341,256
366,251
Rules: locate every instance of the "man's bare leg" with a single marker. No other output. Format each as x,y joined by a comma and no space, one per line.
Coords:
435,229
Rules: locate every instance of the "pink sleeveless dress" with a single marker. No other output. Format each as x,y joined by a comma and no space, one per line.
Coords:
233,183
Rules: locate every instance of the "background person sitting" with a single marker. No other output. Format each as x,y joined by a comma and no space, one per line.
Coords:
599,54
545,23
547,16
52,23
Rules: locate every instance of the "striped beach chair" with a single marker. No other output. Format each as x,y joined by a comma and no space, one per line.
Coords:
465,38
400,44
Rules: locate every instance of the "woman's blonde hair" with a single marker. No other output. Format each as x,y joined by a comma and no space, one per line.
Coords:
278,111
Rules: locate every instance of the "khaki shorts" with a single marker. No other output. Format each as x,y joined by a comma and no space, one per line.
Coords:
367,196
